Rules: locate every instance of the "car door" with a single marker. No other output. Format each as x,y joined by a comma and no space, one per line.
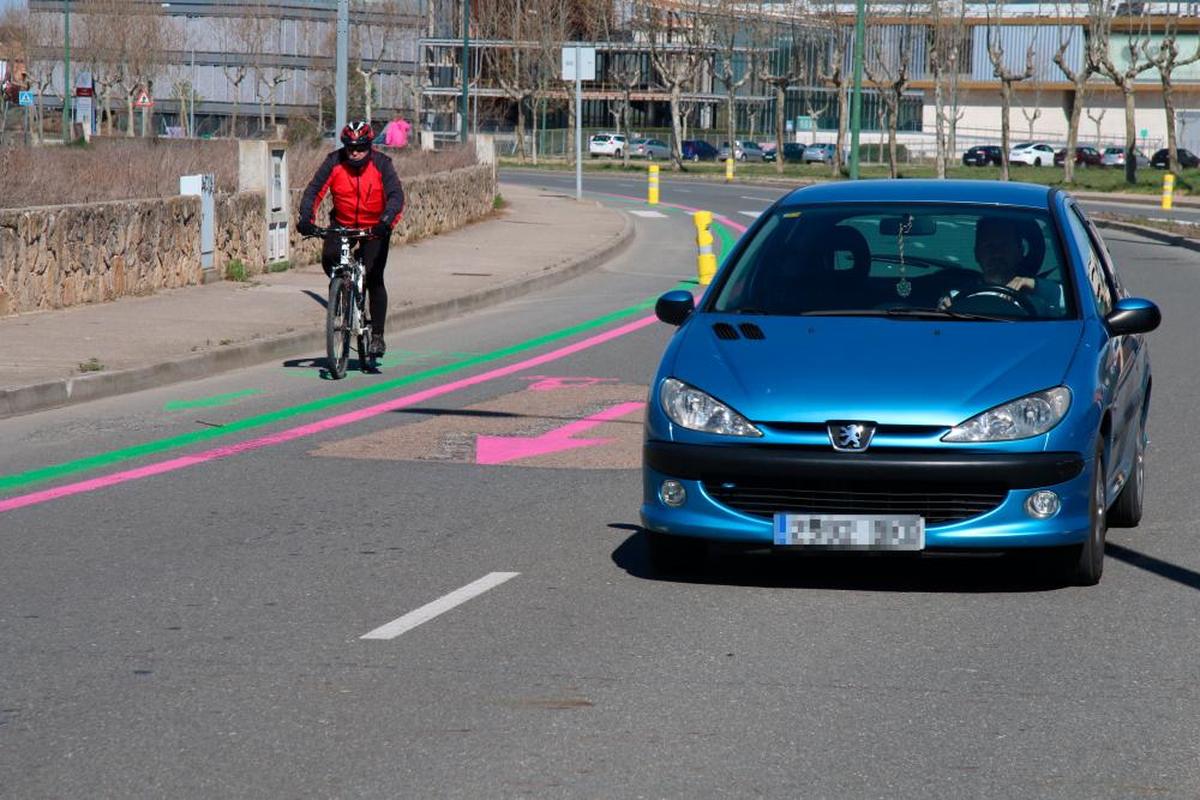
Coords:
1122,362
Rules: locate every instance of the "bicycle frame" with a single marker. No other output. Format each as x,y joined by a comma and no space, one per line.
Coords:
351,264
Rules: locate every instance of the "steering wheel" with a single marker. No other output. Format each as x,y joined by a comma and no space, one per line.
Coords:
1003,292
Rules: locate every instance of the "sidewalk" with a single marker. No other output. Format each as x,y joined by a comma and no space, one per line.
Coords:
539,239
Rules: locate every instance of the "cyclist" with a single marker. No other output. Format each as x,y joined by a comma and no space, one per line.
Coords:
366,194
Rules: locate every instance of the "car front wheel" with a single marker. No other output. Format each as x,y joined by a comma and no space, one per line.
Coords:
1085,563
1126,511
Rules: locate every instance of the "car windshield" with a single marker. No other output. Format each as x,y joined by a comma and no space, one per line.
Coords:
900,260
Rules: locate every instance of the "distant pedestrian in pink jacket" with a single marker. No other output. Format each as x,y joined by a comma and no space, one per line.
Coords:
395,133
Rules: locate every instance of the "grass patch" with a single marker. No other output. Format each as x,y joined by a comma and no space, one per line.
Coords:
1190,230
280,266
498,202
91,365
235,270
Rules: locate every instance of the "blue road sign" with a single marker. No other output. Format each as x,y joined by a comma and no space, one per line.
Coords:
25,98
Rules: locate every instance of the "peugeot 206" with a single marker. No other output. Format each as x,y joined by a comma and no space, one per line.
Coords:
909,366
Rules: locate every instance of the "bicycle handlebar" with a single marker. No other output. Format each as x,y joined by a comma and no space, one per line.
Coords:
337,230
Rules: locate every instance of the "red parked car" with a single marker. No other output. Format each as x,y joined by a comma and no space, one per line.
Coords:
1084,157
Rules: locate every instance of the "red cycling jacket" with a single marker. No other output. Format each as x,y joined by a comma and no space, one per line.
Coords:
362,196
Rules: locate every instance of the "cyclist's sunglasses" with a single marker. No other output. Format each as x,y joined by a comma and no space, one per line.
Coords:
359,147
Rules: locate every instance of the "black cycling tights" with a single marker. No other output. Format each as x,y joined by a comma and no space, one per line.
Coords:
374,255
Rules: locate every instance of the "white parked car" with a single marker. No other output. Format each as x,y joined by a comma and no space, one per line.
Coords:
1035,154
607,144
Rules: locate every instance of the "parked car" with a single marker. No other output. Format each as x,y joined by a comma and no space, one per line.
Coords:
698,150
1033,154
1115,157
821,153
1084,156
768,151
793,153
742,151
607,144
649,149
1187,159
982,155
1009,424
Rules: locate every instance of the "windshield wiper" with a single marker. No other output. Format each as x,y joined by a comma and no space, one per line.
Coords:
943,313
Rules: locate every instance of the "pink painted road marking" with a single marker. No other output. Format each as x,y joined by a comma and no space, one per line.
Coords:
58,492
499,449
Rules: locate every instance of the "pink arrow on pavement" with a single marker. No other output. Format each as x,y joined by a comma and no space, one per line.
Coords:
499,449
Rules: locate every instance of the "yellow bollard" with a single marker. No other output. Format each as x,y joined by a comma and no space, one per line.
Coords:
729,169
1168,195
706,261
652,189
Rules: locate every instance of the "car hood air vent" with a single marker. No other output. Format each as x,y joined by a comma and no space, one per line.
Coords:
751,331
724,330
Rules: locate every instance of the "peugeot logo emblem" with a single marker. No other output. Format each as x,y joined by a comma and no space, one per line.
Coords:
851,436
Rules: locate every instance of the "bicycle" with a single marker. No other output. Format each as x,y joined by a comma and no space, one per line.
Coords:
346,313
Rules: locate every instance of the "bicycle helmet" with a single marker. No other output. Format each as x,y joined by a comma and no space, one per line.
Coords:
357,134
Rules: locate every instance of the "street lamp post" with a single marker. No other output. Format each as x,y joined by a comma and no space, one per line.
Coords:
856,103
466,72
66,122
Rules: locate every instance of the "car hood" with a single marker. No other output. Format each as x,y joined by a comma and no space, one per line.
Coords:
895,371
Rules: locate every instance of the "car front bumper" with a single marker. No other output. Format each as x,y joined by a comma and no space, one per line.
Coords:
997,483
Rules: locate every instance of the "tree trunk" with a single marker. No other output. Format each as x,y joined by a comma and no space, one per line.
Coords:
893,122
1130,135
129,109
521,129
1072,135
533,146
677,125
233,117
108,113
1005,105
1169,109
625,127
939,125
843,117
780,99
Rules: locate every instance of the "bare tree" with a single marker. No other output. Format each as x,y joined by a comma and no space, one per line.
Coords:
376,30
729,32
1167,59
833,73
787,38
1033,111
39,36
1006,75
887,59
948,40
1095,42
678,46
1124,77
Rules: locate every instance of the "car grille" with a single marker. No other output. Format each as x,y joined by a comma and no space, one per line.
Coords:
937,503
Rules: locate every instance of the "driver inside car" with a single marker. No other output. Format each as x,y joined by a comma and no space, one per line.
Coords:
999,251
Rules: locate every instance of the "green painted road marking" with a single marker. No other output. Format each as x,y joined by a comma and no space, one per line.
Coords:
210,402
30,477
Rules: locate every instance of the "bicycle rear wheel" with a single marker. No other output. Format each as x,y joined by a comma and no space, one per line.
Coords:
338,313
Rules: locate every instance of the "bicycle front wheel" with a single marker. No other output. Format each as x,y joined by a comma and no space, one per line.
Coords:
338,316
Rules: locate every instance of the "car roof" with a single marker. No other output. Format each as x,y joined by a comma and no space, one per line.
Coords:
1027,195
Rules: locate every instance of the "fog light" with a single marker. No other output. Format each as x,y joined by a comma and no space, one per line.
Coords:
1043,504
672,493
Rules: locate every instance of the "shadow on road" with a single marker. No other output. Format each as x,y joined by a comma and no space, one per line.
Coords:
875,572
353,365
1164,569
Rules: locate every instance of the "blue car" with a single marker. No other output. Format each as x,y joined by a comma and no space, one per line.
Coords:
903,365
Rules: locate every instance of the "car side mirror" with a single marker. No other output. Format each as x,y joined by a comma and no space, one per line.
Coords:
675,307
1133,315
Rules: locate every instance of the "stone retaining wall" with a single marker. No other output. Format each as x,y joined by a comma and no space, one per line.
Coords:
60,256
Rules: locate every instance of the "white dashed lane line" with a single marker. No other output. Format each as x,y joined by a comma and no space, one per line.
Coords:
649,214
750,214
440,606
759,199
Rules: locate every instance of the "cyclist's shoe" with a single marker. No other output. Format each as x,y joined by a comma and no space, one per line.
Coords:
378,348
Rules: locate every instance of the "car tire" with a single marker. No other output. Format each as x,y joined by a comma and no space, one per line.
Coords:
617,154
1126,511
695,156
1037,162
741,157
1084,563
674,555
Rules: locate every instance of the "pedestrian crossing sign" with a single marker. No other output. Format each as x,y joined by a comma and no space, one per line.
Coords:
24,98
144,100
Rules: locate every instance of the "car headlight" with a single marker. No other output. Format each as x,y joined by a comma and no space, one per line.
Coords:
1031,415
691,408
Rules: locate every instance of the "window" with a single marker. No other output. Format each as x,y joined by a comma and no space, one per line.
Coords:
1102,292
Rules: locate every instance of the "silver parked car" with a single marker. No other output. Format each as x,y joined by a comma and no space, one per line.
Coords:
649,149
743,150
1115,157
819,153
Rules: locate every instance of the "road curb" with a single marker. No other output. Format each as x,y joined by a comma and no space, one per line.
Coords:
84,388
1172,239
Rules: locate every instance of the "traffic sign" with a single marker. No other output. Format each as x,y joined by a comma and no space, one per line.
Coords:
144,100
583,58
25,98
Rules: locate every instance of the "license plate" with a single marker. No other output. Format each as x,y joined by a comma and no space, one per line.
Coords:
851,531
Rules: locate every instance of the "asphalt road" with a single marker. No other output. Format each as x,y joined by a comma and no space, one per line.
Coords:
193,627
